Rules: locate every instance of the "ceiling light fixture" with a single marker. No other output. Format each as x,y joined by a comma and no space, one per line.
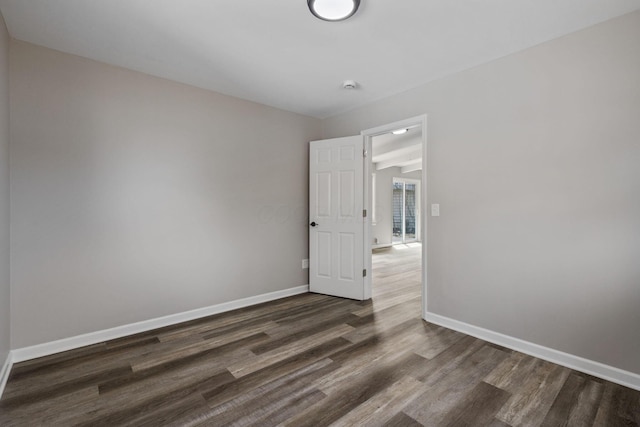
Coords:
333,10
399,131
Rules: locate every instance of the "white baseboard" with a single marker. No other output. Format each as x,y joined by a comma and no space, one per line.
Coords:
4,373
46,349
597,369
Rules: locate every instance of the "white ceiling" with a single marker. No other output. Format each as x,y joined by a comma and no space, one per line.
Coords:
403,151
276,53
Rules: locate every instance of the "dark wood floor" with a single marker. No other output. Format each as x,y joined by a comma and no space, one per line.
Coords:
312,360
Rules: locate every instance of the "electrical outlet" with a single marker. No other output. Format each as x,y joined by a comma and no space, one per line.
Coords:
305,263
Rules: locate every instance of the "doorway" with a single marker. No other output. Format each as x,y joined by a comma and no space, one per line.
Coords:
397,228
342,212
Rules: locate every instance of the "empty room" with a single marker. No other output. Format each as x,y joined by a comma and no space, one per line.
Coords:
320,212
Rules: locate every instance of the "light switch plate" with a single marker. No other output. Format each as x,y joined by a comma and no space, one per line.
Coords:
305,263
435,209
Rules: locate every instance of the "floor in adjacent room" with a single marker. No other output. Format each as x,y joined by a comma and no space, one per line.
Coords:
312,360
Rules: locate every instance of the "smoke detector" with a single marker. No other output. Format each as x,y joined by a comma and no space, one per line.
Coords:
349,84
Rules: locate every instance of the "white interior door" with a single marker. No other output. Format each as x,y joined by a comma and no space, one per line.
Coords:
336,229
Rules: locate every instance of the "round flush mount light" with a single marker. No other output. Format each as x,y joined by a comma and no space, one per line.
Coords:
333,10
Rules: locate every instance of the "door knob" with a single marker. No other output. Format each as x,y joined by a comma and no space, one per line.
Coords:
314,224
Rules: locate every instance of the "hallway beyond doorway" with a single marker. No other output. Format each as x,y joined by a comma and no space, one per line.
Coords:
396,273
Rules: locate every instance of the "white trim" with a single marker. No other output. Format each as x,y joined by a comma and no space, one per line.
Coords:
368,169
597,369
368,197
4,373
46,349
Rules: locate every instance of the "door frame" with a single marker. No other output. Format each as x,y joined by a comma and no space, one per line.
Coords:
368,170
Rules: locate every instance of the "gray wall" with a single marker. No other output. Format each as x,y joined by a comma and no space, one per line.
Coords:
5,317
535,161
383,228
136,197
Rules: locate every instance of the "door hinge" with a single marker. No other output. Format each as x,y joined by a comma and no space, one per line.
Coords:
364,213
364,273
364,153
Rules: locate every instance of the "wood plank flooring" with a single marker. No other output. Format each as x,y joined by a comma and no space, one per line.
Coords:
312,360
